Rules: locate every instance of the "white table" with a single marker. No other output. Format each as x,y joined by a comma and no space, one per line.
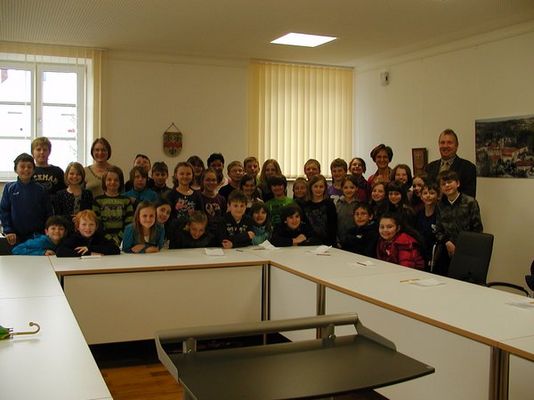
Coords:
55,363
129,297
457,327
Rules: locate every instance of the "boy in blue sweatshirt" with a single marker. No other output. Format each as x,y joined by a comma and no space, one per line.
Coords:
44,245
25,205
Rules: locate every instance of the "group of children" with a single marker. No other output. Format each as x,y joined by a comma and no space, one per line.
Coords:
403,221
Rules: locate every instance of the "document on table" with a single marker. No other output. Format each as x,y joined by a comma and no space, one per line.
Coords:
216,251
321,250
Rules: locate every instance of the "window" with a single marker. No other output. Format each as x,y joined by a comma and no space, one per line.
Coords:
299,112
46,94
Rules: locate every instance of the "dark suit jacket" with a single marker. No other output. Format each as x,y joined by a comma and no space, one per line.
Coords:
466,170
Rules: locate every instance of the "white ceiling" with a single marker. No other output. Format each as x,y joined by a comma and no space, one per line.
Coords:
242,29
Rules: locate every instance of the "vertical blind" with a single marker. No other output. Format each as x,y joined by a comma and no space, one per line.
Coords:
298,112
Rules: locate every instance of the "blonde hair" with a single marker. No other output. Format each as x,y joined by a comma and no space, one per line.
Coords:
41,141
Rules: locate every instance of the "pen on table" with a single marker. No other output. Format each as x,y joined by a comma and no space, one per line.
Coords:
410,280
364,264
323,254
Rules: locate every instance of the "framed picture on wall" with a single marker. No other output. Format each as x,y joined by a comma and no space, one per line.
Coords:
419,160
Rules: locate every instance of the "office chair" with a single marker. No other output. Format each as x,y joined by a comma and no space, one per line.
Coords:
471,258
529,279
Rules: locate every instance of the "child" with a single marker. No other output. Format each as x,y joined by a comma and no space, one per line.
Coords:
426,220
262,222
378,202
183,199
235,229
198,171
235,173
396,246
300,191
414,195
252,167
213,204
248,186
320,211
144,234
216,162
363,237
160,174
269,168
193,234
398,202
49,176
312,167
140,191
143,162
25,206
456,212
357,168
403,174
293,231
278,186
68,202
44,245
87,240
163,213
345,207
113,210
338,170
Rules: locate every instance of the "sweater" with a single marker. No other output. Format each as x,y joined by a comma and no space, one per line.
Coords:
96,244
114,214
236,232
362,239
24,209
34,247
131,238
322,217
283,236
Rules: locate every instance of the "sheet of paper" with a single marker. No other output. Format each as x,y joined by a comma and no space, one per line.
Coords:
427,282
90,256
526,305
214,251
267,246
321,249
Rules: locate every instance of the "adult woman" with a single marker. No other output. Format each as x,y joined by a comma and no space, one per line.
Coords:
101,152
382,156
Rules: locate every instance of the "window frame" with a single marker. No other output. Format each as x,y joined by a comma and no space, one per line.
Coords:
37,70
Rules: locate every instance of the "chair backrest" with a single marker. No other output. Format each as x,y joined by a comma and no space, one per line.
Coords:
471,258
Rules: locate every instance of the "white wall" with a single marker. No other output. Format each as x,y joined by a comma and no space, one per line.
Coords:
143,95
451,89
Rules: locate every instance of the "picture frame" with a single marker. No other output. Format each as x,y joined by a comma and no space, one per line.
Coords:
419,160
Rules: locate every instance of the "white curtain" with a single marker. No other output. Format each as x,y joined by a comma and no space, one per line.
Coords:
298,112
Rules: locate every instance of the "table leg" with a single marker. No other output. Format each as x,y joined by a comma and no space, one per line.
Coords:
499,370
321,306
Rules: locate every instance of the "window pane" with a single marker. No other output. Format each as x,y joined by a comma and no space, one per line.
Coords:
15,120
59,121
59,87
63,152
13,147
15,85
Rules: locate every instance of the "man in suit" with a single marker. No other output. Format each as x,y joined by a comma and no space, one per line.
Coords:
466,170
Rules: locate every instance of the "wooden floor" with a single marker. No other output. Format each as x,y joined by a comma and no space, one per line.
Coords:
153,382
142,382
133,372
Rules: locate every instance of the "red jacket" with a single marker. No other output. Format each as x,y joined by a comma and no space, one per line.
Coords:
402,250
